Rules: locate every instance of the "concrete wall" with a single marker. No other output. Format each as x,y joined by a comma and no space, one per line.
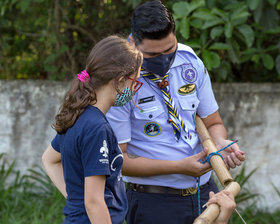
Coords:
251,113
27,110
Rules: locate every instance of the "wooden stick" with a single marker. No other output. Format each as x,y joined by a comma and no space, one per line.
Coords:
216,161
213,210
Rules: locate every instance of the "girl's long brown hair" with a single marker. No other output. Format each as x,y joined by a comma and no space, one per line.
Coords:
110,59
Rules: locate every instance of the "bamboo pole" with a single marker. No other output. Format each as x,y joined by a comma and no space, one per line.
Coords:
213,210
216,161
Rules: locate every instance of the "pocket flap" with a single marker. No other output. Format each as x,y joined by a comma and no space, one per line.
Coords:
189,102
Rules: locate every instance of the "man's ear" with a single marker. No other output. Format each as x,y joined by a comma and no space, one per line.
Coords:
131,40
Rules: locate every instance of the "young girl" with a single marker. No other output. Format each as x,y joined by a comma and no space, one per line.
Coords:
84,160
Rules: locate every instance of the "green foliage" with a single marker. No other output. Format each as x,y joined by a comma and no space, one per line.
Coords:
237,40
252,215
28,199
33,199
245,193
242,178
276,189
43,39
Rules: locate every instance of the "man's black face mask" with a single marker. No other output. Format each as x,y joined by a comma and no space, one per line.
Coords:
159,65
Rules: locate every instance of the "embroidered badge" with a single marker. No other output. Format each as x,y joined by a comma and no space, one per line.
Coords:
189,73
186,89
152,129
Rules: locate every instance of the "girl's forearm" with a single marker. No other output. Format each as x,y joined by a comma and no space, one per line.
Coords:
55,172
98,213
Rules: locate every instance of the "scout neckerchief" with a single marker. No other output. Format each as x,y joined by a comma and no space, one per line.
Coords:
172,109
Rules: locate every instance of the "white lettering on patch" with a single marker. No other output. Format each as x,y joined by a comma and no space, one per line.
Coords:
104,161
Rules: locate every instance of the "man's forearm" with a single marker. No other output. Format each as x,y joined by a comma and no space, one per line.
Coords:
215,127
139,166
218,133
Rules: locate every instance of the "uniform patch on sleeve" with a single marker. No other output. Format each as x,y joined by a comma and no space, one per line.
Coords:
189,73
152,129
104,152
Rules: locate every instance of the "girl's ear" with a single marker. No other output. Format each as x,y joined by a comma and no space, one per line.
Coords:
119,83
121,79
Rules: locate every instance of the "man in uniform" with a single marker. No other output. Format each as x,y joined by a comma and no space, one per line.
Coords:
161,149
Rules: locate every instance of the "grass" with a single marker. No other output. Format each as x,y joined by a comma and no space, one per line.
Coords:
251,214
28,199
254,216
33,199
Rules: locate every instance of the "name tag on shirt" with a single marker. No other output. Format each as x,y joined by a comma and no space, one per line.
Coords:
146,99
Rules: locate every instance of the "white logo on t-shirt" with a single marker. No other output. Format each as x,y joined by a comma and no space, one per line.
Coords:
104,149
112,163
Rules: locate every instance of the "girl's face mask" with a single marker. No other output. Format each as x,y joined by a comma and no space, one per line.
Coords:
124,97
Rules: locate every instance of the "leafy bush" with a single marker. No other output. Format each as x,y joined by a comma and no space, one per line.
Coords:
237,40
43,39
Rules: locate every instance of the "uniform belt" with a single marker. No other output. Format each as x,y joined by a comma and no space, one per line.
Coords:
163,190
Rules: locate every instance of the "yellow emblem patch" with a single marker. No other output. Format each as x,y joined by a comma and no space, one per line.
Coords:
186,89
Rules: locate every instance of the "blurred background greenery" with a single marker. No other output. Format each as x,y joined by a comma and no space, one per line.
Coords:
238,40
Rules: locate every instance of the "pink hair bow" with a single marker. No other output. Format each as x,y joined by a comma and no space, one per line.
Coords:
83,76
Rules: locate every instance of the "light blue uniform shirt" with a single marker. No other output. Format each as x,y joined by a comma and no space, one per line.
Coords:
147,131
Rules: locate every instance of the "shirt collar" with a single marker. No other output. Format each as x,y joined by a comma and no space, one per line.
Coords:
180,60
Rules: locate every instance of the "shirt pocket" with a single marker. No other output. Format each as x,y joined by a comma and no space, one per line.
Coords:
189,106
189,103
150,111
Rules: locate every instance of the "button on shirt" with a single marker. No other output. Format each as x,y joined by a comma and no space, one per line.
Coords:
146,129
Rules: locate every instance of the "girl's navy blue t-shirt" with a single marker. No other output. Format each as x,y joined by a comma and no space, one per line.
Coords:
90,148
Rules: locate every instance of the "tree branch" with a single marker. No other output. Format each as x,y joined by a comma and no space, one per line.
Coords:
80,29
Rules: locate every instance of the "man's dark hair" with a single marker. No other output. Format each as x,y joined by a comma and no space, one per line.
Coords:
151,20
